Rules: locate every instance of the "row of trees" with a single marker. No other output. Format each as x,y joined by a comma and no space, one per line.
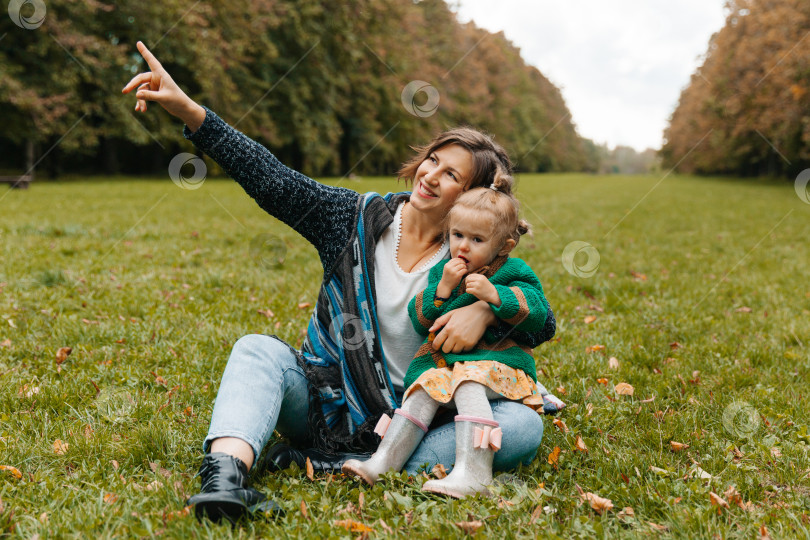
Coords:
746,110
319,82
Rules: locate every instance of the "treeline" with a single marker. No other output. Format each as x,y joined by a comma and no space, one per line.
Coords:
746,110
319,82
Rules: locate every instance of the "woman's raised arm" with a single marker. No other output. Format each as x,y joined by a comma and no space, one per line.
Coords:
157,85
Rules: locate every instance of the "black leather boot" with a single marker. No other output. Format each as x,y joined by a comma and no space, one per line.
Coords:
281,456
224,492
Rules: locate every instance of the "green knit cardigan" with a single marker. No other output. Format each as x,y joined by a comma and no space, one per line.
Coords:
523,306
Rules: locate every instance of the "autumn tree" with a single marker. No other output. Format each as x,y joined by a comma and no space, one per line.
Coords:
746,110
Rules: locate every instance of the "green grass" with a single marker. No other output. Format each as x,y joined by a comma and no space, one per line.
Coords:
151,285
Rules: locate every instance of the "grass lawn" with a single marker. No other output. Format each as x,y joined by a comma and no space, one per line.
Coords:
700,295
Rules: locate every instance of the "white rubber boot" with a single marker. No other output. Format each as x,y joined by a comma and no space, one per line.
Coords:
400,439
476,441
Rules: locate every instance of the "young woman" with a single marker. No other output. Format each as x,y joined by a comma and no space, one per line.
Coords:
376,252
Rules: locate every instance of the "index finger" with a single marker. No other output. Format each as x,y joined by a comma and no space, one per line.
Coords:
153,62
440,322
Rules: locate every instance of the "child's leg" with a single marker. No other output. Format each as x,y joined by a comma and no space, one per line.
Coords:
477,438
400,438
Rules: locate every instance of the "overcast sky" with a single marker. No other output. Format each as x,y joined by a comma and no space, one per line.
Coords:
621,64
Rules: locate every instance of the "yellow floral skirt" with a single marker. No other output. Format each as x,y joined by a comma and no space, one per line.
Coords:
511,383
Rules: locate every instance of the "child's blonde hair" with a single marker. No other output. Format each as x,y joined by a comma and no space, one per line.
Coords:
499,201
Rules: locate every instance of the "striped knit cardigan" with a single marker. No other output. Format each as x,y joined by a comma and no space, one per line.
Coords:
342,355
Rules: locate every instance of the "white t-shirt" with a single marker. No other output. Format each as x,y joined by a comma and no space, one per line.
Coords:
395,288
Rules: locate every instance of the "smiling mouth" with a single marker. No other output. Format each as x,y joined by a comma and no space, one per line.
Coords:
425,191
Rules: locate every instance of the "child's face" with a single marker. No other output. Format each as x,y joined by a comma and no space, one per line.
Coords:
472,238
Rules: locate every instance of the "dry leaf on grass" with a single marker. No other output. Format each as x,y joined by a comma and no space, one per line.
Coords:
469,527
589,319
353,526
627,512
310,470
718,501
62,354
266,312
624,389
439,471
613,362
15,472
602,381
743,309
763,533
599,504
304,305
115,464
538,511
304,510
60,447
589,409
594,348
110,498
554,457
385,526
6,343
677,446
580,445
560,425
657,527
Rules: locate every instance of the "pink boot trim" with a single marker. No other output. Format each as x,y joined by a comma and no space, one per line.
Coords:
421,425
477,420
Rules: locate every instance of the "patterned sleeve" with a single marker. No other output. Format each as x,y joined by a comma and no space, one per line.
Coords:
324,215
422,308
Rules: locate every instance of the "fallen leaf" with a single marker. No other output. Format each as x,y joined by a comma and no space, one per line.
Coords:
627,512
599,504
469,527
353,526
536,514
580,445
88,431
159,470
677,446
304,509
560,425
110,498
763,533
674,345
613,363
361,500
304,305
659,415
733,497
718,501
638,275
310,470
115,464
657,527
775,452
624,389
602,381
62,354
594,348
648,400
11,323
15,472
589,319
439,471
60,447
385,526
188,411
277,325
554,457
561,390
589,409
43,517
266,312
6,343
743,309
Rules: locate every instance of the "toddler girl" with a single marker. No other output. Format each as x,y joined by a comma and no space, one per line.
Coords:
483,227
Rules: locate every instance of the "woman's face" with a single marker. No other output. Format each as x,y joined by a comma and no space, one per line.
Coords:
441,178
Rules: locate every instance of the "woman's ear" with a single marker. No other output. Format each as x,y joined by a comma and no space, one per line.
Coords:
508,246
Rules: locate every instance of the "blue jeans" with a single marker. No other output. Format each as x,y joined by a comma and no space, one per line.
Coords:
263,389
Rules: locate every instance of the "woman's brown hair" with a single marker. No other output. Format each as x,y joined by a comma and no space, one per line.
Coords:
488,156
